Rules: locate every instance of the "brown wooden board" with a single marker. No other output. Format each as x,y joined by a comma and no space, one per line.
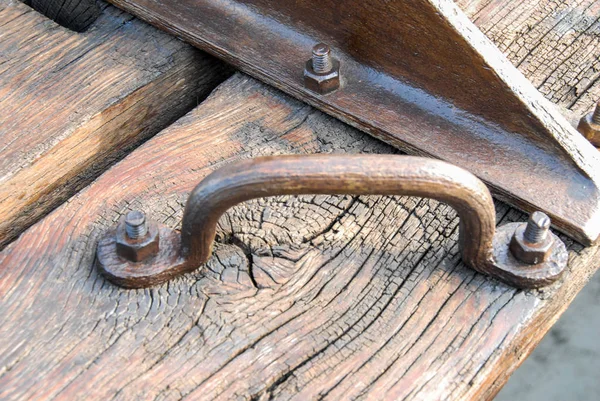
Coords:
554,43
71,104
332,297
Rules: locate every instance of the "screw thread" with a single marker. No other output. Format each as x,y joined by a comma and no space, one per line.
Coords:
537,228
596,114
135,224
321,59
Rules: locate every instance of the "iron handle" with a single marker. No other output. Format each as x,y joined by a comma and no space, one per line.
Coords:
483,248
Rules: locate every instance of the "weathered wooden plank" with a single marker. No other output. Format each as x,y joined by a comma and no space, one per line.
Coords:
504,120
72,104
553,42
362,296
77,15
333,297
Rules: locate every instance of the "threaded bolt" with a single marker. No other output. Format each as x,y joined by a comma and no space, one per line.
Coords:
596,114
321,59
135,224
537,228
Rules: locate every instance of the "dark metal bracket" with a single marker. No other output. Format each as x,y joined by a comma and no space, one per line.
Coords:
415,73
136,254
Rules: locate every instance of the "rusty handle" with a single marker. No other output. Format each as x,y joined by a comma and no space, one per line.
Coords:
340,174
484,248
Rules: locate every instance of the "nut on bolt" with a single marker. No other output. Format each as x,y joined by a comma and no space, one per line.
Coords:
136,238
532,242
322,72
589,126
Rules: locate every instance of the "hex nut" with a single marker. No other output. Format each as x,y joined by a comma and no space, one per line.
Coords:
322,83
137,250
528,252
589,129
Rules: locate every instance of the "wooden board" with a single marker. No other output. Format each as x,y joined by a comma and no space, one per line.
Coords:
72,104
390,309
553,42
332,297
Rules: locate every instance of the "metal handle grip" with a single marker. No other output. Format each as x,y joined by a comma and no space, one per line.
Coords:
339,175
482,248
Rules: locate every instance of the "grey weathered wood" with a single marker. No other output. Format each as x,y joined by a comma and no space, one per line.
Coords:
71,104
553,42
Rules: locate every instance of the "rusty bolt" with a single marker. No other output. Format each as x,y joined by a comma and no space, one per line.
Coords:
531,242
589,126
322,72
137,239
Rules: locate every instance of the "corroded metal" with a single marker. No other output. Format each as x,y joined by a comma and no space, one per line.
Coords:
136,225
533,242
322,71
333,174
136,239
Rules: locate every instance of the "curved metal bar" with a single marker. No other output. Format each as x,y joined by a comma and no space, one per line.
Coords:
482,248
340,175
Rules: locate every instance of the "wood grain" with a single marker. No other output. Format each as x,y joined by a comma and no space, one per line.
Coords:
72,104
310,297
418,75
76,15
373,303
553,42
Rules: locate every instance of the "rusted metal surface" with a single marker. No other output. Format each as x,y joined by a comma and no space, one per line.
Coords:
481,247
417,74
135,238
589,126
531,243
322,71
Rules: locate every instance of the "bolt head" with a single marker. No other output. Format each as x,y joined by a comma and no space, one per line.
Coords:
135,218
528,252
321,49
589,129
322,83
137,250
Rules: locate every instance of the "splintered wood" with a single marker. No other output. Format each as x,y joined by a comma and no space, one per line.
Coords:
71,104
